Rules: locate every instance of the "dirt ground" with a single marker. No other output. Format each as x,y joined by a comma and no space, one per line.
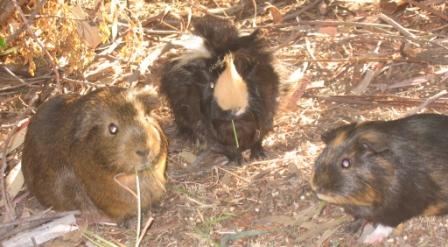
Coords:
269,202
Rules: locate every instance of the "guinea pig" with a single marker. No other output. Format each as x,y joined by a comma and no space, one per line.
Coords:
83,153
225,91
386,172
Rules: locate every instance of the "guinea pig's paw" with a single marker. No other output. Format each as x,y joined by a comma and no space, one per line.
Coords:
355,226
378,235
257,153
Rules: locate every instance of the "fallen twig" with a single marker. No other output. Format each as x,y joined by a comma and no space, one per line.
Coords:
427,102
337,23
245,234
397,26
22,82
233,174
43,233
139,209
145,229
347,60
11,228
406,32
413,81
380,100
29,83
372,70
311,53
254,20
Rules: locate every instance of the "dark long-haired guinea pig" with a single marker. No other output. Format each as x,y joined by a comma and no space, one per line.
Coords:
225,92
83,152
386,171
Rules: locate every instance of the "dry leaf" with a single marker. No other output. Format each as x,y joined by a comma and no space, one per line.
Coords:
392,6
330,30
149,60
88,33
277,16
14,180
78,13
114,4
296,76
17,139
290,104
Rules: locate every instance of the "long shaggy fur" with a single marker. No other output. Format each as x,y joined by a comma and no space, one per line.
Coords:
189,83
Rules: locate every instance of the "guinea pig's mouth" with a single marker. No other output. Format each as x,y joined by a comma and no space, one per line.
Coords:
143,167
342,200
326,198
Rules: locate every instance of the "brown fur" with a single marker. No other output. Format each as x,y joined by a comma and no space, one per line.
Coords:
71,160
435,209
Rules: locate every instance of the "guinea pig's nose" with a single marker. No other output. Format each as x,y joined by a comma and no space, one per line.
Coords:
143,153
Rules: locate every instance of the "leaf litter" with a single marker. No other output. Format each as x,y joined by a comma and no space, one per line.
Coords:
325,51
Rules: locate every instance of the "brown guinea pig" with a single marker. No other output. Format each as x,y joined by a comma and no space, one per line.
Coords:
386,172
78,150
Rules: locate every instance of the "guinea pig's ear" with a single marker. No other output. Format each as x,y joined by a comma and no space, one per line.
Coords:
83,124
147,96
373,141
328,136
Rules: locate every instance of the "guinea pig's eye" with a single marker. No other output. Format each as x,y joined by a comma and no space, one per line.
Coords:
113,129
345,163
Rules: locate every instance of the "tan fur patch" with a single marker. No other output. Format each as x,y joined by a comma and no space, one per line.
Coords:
366,198
436,209
370,136
387,166
231,90
339,139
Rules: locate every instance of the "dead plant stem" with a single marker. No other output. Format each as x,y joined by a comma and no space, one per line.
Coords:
50,58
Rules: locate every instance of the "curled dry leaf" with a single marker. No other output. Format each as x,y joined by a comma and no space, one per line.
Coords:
88,33
277,16
392,6
18,137
149,60
15,181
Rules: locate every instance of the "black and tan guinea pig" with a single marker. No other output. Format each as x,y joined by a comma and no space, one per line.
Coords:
225,91
81,153
386,172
